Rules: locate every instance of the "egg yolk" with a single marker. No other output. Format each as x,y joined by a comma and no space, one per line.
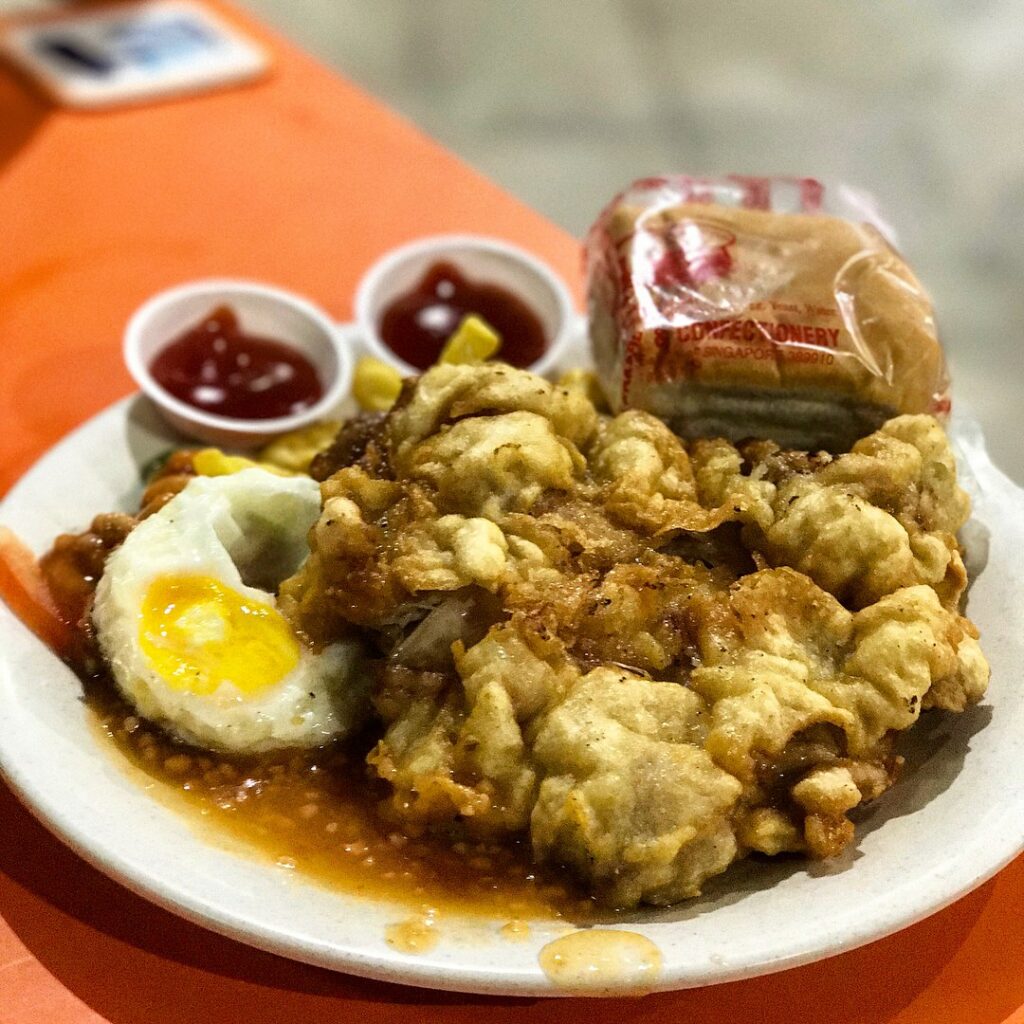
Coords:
198,633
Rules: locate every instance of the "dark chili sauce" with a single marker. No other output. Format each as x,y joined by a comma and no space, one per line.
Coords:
416,325
218,368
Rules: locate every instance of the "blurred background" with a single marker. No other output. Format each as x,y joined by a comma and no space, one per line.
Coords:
921,103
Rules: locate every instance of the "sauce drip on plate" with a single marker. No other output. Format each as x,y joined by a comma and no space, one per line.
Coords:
217,367
416,325
415,936
597,960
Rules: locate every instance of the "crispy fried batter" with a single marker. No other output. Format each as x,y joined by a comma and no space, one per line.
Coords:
653,659
646,479
861,525
630,798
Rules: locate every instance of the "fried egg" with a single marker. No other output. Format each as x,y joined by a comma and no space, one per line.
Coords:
187,620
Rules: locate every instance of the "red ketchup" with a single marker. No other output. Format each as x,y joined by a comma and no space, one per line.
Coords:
416,325
218,368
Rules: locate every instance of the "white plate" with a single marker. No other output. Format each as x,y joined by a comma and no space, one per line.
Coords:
954,819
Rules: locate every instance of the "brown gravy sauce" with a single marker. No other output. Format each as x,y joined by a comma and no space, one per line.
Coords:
318,813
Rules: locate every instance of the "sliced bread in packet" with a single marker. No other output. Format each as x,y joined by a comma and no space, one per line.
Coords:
723,314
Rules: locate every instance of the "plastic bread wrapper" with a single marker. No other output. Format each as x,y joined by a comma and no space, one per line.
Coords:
766,307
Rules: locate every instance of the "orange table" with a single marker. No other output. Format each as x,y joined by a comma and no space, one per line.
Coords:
302,180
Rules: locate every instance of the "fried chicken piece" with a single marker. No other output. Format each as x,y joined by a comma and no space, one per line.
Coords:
348,578
861,525
420,509
639,616
646,477
488,465
417,758
630,798
582,637
780,657
648,787
449,393
485,476
460,752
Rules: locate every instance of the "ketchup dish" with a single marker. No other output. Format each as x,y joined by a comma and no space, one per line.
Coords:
237,363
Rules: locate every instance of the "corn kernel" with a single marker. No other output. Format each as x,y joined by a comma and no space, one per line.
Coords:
293,452
474,342
214,462
376,384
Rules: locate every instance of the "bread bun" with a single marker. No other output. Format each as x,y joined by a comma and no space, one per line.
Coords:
804,328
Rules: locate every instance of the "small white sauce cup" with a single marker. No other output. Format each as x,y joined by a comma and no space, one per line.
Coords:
262,310
488,260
